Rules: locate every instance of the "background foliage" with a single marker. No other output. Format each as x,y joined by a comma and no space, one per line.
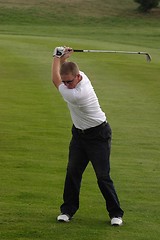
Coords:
147,5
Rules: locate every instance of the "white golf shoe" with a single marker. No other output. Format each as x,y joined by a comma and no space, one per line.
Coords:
116,221
63,218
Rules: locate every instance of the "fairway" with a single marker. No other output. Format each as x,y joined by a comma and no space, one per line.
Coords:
35,122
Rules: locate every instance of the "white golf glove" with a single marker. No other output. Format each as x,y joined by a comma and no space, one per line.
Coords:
58,52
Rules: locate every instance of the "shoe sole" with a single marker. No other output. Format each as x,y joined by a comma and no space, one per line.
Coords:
61,220
117,225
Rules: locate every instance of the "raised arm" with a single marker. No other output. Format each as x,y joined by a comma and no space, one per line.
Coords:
60,55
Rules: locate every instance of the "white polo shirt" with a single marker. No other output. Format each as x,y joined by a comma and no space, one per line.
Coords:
83,104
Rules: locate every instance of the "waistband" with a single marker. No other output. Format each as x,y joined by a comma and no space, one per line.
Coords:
88,130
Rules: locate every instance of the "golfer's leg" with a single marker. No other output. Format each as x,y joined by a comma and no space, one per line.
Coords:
76,166
100,160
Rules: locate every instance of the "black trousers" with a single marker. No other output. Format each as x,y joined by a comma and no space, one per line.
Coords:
93,145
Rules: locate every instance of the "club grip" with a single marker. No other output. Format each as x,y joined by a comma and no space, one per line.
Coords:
77,50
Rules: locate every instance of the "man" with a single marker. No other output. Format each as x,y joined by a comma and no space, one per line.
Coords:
91,137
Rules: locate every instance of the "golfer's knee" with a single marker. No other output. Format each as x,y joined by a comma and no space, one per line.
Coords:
103,178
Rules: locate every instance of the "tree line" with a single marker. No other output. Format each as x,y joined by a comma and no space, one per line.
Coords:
147,5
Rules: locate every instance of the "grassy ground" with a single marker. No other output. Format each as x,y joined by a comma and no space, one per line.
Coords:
35,122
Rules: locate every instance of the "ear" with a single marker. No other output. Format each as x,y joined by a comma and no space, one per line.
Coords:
79,77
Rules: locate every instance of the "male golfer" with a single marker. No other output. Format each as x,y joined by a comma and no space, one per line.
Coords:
91,137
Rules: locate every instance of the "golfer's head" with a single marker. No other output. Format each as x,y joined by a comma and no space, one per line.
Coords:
70,74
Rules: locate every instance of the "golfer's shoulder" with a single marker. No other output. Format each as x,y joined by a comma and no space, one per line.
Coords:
85,80
84,76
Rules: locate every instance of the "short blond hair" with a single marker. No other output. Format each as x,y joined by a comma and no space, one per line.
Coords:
69,67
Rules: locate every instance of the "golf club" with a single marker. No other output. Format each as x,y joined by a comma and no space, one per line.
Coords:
148,57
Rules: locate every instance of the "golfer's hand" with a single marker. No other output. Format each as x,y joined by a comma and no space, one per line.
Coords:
67,52
58,52
64,52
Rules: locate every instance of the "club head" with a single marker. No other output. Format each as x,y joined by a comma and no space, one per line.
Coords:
148,57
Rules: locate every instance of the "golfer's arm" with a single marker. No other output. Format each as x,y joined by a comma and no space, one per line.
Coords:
57,62
56,77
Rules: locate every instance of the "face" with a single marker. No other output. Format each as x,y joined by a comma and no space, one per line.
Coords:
70,80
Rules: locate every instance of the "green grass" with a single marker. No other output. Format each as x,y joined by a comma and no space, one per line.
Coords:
35,122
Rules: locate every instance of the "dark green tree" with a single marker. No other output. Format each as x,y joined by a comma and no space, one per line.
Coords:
147,5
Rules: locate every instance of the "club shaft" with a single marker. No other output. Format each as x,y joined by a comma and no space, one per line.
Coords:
108,51
148,57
